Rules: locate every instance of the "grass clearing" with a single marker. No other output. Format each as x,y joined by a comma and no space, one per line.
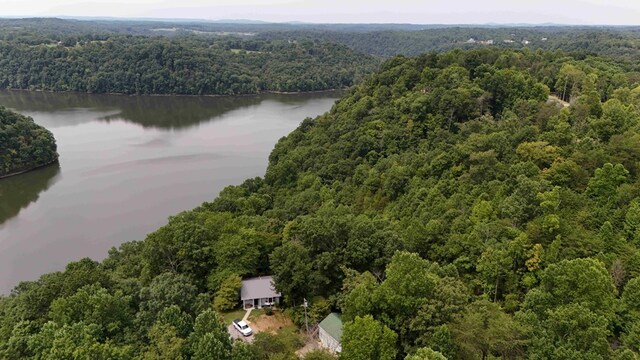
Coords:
255,313
229,316
272,324
242,51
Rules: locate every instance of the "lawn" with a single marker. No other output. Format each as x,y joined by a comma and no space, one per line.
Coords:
242,51
255,313
232,315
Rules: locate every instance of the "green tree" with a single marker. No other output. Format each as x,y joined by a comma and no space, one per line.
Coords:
239,253
25,145
243,351
570,332
210,338
179,319
569,80
172,248
77,341
425,354
580,281
164,291
227,296
631,313
605,182
367,339
164,344
485,329
269,345
632,222
291,265
92,304
571,311
358,295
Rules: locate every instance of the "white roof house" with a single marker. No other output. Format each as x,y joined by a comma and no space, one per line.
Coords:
258,292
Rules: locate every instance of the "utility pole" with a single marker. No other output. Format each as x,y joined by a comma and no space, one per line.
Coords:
306,322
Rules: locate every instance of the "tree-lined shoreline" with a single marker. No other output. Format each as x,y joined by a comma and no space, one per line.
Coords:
25,146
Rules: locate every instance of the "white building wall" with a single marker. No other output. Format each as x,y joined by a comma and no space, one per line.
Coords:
260,302
328,342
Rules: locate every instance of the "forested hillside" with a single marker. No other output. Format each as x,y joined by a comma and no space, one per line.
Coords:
23,144
446,206
104,63
153,57
622,43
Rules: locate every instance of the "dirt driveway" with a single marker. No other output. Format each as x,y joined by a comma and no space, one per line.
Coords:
235,334
262,323
272,323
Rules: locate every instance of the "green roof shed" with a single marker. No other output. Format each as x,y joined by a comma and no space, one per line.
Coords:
330,332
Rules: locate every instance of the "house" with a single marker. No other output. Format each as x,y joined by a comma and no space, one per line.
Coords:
471,41
258,292
330,332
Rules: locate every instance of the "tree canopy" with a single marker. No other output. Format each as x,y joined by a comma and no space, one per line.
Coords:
450,205
24,145
190,65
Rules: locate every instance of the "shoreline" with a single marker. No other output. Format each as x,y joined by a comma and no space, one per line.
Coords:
28,170
186,95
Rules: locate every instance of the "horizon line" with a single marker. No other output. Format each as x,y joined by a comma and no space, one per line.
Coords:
296,22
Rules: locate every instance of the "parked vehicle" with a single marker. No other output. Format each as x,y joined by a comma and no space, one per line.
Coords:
242,327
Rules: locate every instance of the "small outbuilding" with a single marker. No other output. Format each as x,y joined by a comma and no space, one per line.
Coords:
258,292
330,332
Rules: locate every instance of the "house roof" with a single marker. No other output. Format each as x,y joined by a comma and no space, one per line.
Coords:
332,324
258,288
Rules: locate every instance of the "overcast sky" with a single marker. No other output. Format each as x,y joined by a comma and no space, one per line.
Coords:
614,12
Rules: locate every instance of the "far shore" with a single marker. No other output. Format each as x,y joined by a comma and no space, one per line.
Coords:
27,170
188,95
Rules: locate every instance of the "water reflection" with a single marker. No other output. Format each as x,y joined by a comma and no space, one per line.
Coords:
163,112
17,192
129,163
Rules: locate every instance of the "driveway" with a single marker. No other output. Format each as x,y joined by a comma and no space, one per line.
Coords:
235,334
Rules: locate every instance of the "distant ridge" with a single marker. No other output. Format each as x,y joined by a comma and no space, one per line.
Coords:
173,20
304,23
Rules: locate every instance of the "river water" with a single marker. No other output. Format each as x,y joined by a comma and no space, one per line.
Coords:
126,164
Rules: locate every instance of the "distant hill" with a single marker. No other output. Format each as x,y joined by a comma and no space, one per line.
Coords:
382,40
193,62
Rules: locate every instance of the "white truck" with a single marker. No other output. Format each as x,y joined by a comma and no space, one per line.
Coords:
242,327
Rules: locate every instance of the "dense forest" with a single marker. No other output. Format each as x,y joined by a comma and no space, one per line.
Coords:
622,43
153,57
125,64
447,206
384,40
43,28
24,145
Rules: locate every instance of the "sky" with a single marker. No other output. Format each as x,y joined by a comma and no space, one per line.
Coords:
587,12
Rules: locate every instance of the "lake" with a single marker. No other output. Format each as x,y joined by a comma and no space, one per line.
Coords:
127,163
